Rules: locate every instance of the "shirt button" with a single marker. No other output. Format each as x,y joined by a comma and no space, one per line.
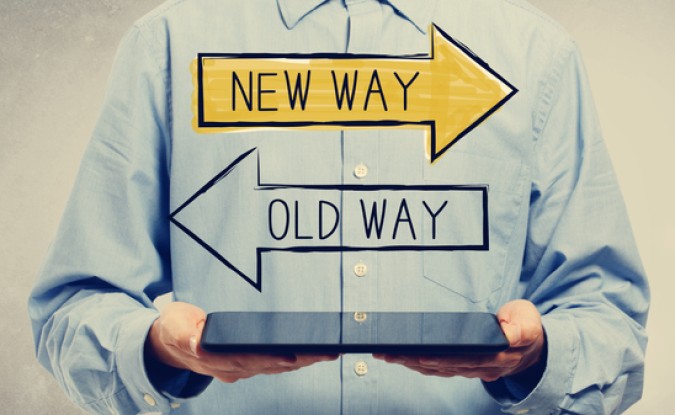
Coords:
175,405
361,368
360,317
360,269
149,400
522,411
361,171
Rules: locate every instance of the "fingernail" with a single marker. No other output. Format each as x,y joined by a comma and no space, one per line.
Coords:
193,345
429,361
288,360
287,363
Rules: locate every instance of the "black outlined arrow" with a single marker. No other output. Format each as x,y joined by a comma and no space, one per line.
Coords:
197,226
447,93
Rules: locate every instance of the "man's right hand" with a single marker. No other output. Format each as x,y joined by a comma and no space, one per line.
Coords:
174,340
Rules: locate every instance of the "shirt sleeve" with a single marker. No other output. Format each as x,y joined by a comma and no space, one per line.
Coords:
91,307
581,267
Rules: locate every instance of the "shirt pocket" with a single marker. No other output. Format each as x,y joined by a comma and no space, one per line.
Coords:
476,272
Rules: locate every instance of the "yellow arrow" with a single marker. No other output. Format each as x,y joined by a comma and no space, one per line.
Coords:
448,93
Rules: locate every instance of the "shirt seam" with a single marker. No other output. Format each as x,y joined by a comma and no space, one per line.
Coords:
539,14
123,389
551,80
164,73
157,13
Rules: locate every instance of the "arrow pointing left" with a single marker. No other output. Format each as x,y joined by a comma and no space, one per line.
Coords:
234,207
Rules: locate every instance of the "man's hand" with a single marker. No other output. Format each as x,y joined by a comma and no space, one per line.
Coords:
520,321
174,341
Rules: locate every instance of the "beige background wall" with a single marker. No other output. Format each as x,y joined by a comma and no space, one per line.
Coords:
54,60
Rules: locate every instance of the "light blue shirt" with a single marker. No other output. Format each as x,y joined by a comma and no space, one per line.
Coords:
298,222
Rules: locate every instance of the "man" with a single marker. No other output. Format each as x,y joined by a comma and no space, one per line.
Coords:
233,220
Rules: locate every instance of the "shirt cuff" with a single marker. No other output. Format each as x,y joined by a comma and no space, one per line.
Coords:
132,370
549,393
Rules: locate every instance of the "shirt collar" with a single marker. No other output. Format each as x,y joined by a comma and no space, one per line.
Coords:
418,12
292,11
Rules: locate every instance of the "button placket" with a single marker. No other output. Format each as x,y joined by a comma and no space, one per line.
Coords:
360,147
359,285
365,24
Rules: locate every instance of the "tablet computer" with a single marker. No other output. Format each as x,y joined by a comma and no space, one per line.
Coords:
348,332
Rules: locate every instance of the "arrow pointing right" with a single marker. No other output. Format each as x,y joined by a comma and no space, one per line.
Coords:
449,93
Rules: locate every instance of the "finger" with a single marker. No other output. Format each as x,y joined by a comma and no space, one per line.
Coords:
256,362
310,359
431,372
181,325
234,366
512,332
442,361
521,322
169,337
507,359
229,367
488,370
246,366
390,358
486,374
234,376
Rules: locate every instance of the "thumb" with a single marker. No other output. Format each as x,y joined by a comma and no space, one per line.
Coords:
521,322
186,322
512,333
195,339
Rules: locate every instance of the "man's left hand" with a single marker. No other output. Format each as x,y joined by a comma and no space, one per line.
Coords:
521,323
